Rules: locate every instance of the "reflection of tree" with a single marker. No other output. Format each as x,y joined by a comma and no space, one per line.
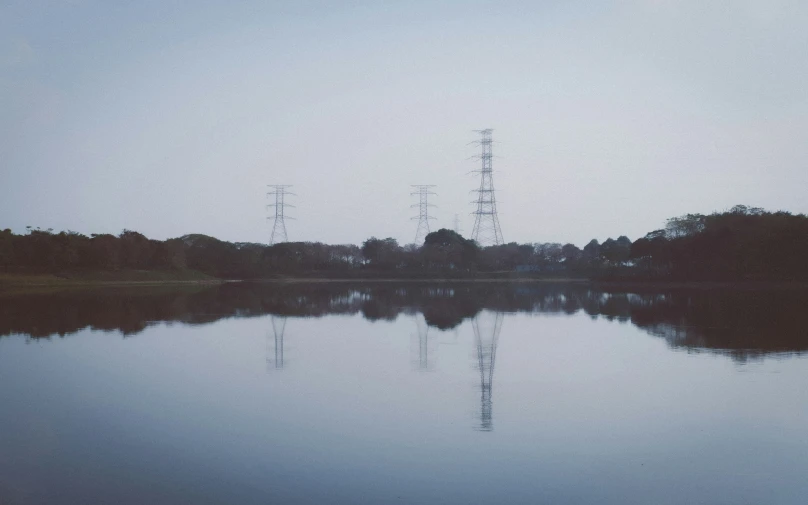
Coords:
742,324
486,335
739,323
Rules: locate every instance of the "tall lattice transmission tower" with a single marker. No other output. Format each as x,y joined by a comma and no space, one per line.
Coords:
280,191
423,191
486,229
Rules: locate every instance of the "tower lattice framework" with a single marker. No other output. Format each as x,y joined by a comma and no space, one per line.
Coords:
486,229
279,191
423,191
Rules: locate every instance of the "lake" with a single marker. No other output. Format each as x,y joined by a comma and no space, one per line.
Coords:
404,393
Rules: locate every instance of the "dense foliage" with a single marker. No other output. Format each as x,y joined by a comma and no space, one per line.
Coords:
741,244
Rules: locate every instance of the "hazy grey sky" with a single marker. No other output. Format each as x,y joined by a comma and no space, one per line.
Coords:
171,117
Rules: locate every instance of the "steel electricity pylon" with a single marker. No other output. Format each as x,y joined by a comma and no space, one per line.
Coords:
280,192
486,229
423,191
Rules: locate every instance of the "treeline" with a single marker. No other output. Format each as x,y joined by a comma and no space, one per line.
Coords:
443,253
744,243
740,244
46,251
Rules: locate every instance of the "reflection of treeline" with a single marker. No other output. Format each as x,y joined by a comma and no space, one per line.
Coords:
741,244
742,323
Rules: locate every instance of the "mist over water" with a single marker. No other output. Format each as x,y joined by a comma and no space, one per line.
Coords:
410,393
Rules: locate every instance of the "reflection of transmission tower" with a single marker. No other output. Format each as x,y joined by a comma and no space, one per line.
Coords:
423,192
486,229
486,335
423,344
278,329
279,226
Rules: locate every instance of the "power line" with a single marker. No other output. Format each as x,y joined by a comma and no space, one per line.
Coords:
280,191
423,191
486,229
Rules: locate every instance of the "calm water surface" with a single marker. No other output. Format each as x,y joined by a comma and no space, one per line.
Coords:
376,394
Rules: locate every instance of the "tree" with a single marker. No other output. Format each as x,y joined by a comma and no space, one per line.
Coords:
105,252
616,251
447,249
6,248
445,238
73,249
136,249
549,253
170,254
684,226
570,253
592,249
381,253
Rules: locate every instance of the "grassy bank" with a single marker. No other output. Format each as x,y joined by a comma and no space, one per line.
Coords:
413,280
368,275
92,277
655,285
191,277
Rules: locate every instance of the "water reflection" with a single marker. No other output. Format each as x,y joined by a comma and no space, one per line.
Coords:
487,327
440,407
275,360
742,324
424,363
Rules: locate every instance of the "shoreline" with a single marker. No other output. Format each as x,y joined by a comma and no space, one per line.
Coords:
91,279
596,283
409,280
155,278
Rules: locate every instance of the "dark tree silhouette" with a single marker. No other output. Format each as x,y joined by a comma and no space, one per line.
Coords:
744,243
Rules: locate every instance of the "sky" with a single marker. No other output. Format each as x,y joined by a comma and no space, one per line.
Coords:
170,117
